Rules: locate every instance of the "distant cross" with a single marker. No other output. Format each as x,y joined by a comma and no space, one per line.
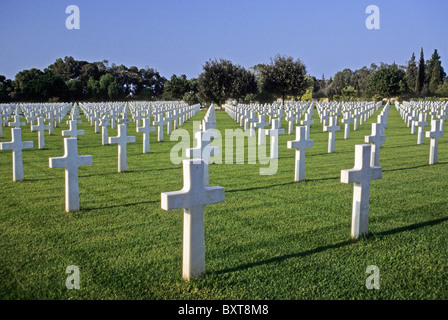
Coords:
146,129
442,118
96,121
434,134
252,120
159,123
280,115
421,123
413,118
16,145
122,140
104,124
40,128
356,117
347,120
324,117
17,124
73,132
261,124
360,176
377,139
137,117
193,198
300,144
50,120
169,122
71,162
290,118
307,123
331,129
203,150
274,132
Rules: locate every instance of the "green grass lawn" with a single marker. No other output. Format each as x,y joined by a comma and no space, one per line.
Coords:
272,238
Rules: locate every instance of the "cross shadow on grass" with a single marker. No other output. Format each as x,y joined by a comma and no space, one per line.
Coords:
121,205
262,187
282,184
331,246
416,167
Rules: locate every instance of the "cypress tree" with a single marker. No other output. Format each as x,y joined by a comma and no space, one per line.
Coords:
411,75
420,74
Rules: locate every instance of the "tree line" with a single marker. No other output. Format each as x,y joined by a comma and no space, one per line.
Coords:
283,78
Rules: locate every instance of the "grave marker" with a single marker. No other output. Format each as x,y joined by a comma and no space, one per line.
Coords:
300,144
71,162
360,176
16,145
193,198
122,140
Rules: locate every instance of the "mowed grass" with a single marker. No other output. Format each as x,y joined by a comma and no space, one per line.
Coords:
272,238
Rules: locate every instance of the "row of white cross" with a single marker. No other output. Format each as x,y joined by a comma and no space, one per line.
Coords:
416,114
196,193
71,161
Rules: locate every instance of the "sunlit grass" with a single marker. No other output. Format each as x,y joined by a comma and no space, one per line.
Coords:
272,238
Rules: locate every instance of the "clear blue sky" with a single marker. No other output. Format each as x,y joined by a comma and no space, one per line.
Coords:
179,36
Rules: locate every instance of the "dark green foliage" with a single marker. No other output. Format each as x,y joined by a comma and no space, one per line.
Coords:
6,88
178,87
221,80
420,74
411,75
387,81
283,77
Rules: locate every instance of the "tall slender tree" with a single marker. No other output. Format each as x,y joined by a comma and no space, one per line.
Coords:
411,75
420,74
435,73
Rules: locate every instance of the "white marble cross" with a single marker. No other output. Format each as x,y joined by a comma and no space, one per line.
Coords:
146,129
421,123
290,118
71,162
169,118
104,124
203,150
307,123
331,128
360,176
122,140
377,139
193,198
96,121
40,128
250,121
412,119
347,120
300,144
16,124
261,124
356,117
324,117
274,132
442,118
160,123
50,119
73,132
16,145
434,134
